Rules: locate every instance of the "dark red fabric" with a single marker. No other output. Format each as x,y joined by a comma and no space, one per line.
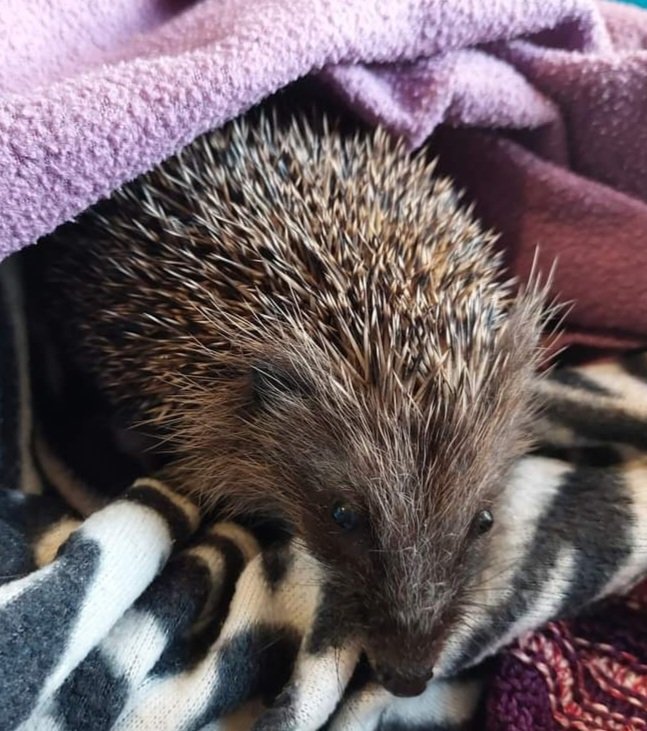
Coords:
595,236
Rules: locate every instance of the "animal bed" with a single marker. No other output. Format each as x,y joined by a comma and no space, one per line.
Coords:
140,615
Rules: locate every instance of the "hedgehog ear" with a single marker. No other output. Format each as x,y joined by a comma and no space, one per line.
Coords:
273,383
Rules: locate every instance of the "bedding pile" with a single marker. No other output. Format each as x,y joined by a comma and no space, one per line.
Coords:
140,613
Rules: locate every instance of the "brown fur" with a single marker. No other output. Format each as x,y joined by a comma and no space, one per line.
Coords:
307,317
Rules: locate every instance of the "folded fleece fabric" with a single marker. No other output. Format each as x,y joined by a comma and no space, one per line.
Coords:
91,94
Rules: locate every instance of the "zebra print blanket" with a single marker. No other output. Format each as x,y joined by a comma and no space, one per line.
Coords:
142,617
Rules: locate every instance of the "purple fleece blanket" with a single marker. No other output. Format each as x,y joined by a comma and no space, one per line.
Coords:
92,94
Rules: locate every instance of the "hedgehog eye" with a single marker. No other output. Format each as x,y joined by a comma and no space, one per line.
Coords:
483,522
345,516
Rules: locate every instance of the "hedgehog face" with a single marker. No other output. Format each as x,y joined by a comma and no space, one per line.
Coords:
396,505
400,562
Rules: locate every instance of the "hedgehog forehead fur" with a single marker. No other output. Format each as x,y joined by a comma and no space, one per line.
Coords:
342,265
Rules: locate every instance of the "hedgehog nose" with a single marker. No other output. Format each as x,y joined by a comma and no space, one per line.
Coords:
403,686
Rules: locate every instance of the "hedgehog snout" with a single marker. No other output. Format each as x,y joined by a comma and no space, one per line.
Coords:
403,663
403,685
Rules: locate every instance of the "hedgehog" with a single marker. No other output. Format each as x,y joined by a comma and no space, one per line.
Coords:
313,328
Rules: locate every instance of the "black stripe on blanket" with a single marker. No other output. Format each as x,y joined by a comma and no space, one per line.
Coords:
273,650
34,635
635,365
276,563
178,521
577,380
234,565
597,455
186,651
606,422
92,697
595,512
572,520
